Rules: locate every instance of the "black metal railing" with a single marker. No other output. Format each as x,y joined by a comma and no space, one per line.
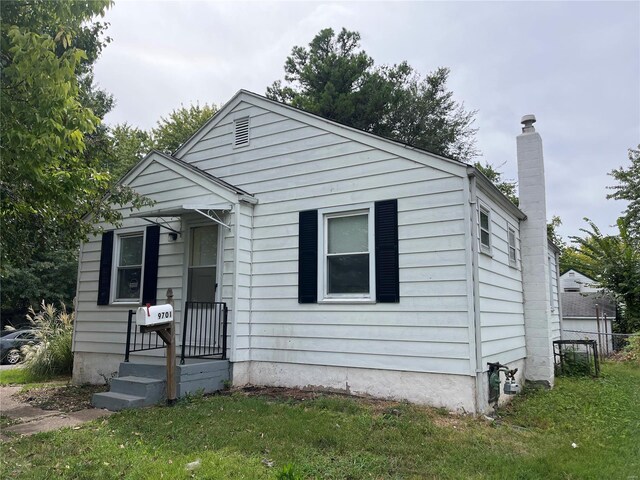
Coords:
204,330
139,341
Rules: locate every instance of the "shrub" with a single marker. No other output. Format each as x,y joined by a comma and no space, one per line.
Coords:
631,352
52,354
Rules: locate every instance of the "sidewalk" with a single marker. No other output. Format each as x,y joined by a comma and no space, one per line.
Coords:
29,420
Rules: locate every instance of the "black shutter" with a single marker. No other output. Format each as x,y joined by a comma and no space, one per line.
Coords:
387,268
106,257
150,278
308,257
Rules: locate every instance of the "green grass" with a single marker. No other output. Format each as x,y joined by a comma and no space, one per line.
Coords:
21,376
335,437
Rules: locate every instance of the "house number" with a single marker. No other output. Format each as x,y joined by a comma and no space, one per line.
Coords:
163,315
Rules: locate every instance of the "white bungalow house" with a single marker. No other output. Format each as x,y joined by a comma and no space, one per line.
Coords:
343,260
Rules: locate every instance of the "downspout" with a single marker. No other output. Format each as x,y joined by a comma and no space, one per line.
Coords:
236,268
557,255
480,387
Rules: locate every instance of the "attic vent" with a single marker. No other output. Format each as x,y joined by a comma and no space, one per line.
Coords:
241,132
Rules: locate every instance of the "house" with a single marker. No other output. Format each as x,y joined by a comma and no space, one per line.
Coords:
574,281
339,259
587,311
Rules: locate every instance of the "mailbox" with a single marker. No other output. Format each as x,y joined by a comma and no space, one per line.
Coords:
146,316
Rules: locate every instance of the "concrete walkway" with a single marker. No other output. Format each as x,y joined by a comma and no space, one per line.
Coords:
30,420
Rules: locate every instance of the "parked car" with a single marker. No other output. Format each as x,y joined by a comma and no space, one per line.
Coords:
11,343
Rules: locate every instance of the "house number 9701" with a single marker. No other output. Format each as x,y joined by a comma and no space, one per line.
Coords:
163,315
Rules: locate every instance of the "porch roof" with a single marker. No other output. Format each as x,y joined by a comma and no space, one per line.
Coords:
209,211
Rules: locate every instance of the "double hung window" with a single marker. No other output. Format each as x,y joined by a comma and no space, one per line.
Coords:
348,264
485,229
511,241
129,259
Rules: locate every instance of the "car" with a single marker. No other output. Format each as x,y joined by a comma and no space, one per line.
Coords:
11,343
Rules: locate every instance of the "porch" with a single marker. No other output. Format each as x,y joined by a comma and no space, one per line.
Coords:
201,357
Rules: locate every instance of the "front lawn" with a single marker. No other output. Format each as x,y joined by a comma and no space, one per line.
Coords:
21,376
241,436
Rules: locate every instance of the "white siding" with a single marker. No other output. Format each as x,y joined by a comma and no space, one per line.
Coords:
102,329
501,299
291,166
573,280
555,296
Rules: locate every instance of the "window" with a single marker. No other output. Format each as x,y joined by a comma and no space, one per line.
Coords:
126,259
485,230
128,265
349,255
511,240
348,264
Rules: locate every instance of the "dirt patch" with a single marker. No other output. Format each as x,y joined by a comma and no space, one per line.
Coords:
378,405
67,398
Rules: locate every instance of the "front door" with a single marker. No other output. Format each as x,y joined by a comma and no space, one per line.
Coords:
203,264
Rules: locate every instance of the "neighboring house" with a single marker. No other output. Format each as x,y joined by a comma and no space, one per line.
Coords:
587,311
574,281
345,260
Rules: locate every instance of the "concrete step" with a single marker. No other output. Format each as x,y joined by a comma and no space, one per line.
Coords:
117,401
131,369
151,389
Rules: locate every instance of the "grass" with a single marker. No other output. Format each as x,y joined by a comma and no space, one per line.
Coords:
238,436
21,376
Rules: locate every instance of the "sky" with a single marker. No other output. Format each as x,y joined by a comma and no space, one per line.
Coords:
575,65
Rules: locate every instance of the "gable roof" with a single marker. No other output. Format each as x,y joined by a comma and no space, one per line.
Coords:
402,150
180,167
576,304
577,271
409,152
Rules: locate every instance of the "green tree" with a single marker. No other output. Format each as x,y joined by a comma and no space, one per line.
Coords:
507,187
613,261
336,79
180,125
127,146
628,188
50,138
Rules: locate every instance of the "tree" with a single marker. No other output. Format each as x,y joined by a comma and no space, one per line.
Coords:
336,79
182,123
613,261
553,235
50,138
48,183
127,146
507,187
628,188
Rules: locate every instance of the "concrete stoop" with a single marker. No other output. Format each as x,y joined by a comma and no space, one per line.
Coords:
142,385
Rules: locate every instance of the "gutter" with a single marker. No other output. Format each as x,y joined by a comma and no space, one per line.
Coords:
473,202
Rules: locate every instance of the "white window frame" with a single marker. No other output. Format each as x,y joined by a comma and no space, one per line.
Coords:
512,262
189,225
129,232
486,249
323,243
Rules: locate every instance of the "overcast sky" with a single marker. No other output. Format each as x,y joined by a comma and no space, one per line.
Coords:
575,65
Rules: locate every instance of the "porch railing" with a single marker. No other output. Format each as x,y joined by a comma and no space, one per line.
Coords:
204,332
138,341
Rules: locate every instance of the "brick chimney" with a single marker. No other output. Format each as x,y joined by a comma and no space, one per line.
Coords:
535,254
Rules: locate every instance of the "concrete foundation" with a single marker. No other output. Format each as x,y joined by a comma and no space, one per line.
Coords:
454,392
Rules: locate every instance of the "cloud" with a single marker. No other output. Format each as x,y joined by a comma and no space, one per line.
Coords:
576,65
